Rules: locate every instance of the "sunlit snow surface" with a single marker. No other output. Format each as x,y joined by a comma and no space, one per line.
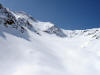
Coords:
31,47
48,54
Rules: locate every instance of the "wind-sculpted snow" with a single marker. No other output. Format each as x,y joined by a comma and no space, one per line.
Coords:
31,47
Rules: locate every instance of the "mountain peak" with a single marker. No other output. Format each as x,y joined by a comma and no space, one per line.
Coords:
23,21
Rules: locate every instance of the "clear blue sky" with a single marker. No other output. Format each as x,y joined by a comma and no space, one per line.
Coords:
68,14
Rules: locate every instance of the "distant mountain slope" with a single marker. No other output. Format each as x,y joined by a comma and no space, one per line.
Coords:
31,47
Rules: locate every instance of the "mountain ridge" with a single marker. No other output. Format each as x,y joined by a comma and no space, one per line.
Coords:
21,20
24,21
32,47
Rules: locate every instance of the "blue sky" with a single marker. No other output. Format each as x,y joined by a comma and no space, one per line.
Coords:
67,14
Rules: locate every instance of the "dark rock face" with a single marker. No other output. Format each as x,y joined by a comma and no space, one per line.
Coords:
1,6
56,30
7,19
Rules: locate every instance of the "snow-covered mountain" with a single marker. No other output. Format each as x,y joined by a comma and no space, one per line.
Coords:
32,47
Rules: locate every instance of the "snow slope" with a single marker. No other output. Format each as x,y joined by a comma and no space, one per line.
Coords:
31,47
